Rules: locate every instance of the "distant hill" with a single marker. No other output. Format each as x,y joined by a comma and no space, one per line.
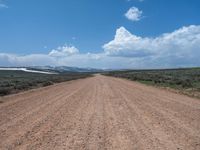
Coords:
53,70
63,69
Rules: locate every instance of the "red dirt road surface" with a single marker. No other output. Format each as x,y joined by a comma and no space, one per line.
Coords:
99,113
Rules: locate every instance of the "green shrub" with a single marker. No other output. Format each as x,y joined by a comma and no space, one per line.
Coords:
47,83
5,91
186,84
22,86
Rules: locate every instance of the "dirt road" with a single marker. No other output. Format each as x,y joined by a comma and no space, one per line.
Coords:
99,113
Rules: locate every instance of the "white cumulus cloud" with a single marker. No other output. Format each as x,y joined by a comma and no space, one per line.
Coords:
182,42
180,48
26,60
64,51
133,14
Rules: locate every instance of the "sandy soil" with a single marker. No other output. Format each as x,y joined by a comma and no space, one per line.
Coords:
99,113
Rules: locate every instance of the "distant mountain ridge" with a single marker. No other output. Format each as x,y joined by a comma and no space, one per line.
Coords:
63,69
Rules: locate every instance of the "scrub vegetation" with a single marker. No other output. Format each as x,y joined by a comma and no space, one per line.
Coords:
185,80
15,81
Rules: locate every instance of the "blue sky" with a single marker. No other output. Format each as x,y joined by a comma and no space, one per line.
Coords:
81,33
